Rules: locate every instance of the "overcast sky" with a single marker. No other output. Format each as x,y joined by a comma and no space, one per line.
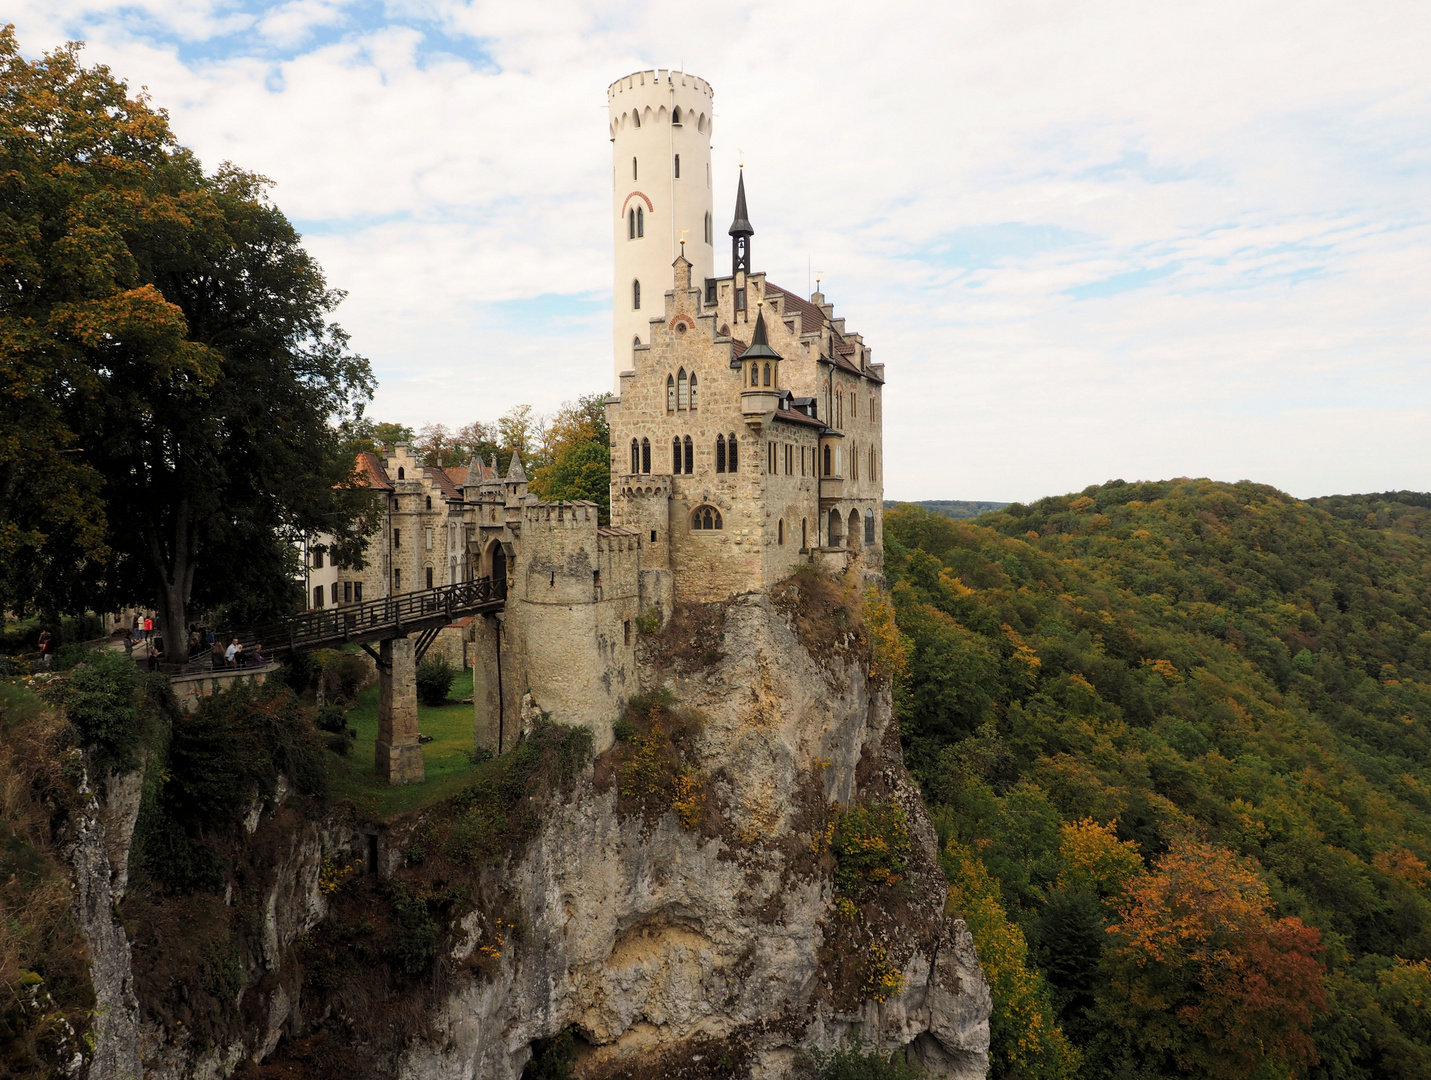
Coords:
1088,240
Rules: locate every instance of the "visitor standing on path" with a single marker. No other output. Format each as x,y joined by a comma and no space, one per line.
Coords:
231,651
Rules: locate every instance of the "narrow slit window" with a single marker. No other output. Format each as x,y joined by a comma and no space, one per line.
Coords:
635,456
636,296
730,453
634,175
678,166
690,456
640,222
676,455
645,455
631,224
720,453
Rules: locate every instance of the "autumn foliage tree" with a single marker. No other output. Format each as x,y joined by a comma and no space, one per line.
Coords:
173,380
1205,980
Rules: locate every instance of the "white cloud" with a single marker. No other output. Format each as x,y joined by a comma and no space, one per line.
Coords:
1271,160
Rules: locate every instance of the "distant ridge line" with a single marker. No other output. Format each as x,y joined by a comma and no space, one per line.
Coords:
958,509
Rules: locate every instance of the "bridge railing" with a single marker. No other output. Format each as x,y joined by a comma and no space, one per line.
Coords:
313,628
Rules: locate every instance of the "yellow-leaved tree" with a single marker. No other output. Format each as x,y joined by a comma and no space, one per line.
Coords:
1024,1039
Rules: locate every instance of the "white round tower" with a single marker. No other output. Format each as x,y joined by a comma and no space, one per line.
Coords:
661,195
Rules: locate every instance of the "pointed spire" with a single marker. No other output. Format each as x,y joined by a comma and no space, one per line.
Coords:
515,473
759,344
741,225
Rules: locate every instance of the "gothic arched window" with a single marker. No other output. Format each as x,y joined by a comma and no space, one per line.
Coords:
633,168
683,390
670,393
767,374
645,455
401,474
635,456
708,227
720,453
429,502
676,116
706,517
690,456
636,296
730,453
693,389
676,455
631,224
869,527
827,460
640,222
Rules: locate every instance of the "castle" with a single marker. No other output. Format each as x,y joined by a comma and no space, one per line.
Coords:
746,439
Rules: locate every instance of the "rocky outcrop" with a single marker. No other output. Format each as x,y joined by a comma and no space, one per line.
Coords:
666,947
705,944
99,857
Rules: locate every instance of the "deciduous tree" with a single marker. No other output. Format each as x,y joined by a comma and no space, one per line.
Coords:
169,345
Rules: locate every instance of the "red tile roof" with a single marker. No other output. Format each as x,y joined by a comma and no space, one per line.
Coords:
458,473
811,317
443,481
370,471
795,416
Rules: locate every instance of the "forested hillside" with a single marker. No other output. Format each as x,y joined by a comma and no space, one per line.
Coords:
1175,736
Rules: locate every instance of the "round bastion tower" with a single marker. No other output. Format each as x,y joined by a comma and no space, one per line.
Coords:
660,195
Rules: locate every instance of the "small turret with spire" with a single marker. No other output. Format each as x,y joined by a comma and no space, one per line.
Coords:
740,233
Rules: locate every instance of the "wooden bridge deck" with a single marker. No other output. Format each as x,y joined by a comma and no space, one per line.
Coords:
424,613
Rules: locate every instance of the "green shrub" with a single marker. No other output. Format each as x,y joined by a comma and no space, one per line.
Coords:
552,1058
504,808
99,698
871,846
343,676
331,717
413,942
234,747
853,1062
68,657
434,680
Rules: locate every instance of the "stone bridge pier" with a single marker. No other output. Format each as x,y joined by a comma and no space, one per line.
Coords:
398,755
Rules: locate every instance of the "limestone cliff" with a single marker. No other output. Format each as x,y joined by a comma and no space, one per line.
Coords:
699,934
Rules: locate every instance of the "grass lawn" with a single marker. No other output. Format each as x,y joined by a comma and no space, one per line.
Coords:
449,768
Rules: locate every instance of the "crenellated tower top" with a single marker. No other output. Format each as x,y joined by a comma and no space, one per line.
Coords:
660,128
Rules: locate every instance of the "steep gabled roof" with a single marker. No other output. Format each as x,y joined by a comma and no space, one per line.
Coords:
371,472
443,480
811,317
